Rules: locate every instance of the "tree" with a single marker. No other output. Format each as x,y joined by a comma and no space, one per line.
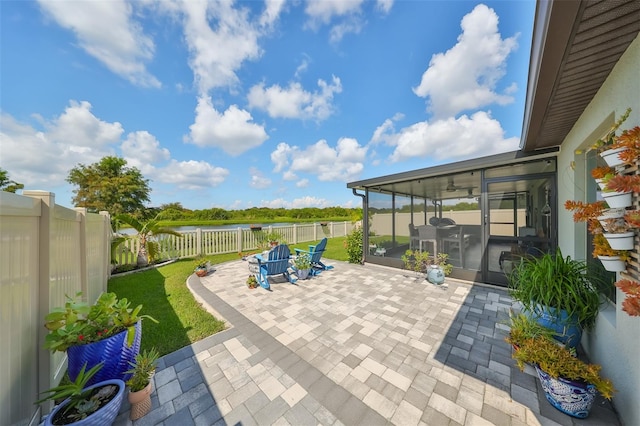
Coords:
109,185
7,184
147,231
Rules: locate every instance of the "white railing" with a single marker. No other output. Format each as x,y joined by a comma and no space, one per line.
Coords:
220,241
46,252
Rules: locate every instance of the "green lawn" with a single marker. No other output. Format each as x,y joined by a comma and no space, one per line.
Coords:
164,295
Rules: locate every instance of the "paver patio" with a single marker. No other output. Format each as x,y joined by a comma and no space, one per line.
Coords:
356,345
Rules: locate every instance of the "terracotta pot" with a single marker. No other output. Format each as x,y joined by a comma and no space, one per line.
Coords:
201,272
140,402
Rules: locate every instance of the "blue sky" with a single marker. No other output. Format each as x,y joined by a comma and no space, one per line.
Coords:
241,104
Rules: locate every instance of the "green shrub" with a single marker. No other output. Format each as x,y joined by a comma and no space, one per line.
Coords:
353,244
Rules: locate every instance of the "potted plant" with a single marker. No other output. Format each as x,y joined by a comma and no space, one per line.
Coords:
108,332
558,293
302,265
612,260
605,145
202,267
602,174
570,384
629,144
252,282
631,302
140,382
96,405
619,188
523,327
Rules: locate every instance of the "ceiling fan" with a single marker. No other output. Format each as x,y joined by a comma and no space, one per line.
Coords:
451,186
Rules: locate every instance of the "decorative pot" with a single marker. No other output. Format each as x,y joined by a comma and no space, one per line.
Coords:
567,329
611,214
201,272
613,263
571,397
303,274
623,241
140,402
611,157
113,352
105,416
617,199
435,274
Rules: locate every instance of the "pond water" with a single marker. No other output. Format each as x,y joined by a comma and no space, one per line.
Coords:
131,231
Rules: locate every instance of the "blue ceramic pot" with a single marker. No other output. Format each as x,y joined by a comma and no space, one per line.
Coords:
435,275
113,352
566,327
105,416
570,397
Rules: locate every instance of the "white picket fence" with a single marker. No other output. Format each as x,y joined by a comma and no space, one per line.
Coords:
219,241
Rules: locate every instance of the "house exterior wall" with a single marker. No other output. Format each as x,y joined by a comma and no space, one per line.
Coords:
615,341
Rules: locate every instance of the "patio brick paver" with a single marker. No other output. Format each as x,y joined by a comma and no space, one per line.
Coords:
356,345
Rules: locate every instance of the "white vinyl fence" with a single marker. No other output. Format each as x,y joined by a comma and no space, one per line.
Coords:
46,252
219,241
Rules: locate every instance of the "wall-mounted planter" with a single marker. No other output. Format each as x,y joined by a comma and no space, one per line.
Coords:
617,199
613,263
623,241
611,214
611,157
602,184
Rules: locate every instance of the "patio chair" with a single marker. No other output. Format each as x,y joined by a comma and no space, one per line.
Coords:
455,244
315,252
277,262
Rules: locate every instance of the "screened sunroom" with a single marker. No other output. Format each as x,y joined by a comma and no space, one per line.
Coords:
484,213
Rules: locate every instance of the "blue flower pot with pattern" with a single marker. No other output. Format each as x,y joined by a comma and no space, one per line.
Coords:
567,329
113,352
105,416
571,397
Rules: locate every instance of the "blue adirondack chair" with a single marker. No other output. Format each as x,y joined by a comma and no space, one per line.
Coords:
315,251
277,263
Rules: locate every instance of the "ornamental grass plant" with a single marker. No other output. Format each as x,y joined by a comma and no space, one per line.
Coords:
554,281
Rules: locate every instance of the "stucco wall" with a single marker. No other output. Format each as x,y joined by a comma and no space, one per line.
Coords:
615,341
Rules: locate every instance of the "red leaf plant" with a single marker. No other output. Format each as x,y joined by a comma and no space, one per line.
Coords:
631,303
587,212
630,141
624,183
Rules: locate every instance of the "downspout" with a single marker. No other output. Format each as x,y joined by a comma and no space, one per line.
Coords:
365,223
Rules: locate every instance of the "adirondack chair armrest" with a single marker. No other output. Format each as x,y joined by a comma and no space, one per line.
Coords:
300,251
312,248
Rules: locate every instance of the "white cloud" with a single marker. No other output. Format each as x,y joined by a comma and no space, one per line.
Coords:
43,157
231,131
272,11
302,183
465,137
78,127
220,38
304,65
465,77
141,149
192,174
258,180
342,163
106,30
290,176
344,17
384,5
323,11
381,133
297,203
294,101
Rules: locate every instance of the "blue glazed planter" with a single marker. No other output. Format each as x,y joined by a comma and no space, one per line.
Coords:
435,275
113,352
105,416
570,397
567,328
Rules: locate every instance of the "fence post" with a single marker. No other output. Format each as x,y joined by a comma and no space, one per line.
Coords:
295,234
239,244
108,235
84,286
47,204
199,250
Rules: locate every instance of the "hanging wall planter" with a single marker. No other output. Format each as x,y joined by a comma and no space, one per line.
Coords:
617,199
611,214
611,157
623,241
613,263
